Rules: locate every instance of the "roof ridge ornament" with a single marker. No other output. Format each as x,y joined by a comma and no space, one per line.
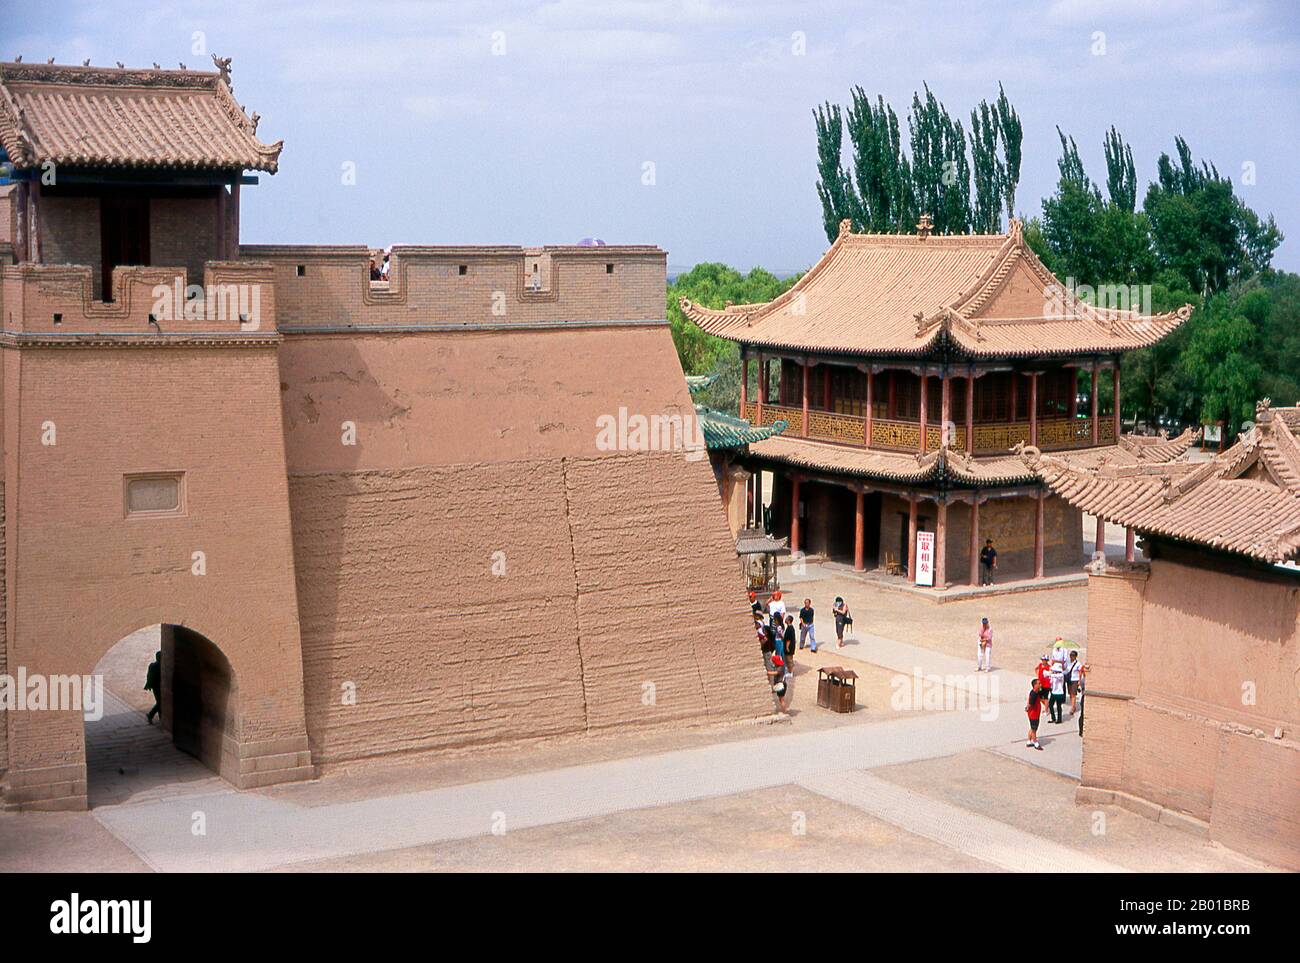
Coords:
846,227
924,226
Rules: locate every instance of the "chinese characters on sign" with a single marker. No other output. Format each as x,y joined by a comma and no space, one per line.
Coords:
925,558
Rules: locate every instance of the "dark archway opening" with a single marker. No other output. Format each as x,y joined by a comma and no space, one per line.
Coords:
189,745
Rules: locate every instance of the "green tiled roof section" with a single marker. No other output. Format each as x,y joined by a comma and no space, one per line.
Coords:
727,431
696,383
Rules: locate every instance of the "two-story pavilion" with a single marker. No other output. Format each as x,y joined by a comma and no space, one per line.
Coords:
908,367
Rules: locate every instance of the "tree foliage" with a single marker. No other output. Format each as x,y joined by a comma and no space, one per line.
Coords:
961,180
713,285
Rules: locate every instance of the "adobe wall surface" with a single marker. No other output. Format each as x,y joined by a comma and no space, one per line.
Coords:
1192,671
83,574
476,569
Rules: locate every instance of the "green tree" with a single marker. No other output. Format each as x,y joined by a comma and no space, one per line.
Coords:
1219,360
713,285
833,187
1201,229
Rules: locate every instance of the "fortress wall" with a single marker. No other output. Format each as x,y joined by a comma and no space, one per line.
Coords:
1192,672
86,572
477,569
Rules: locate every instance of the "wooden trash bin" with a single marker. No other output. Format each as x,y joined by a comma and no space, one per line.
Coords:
837,688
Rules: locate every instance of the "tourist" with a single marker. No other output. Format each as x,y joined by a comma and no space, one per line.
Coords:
788,636
778,675
1056,699
842,618
1083,675
806,625
374,270
776,607
984,657
1072,672
153,683
1034,709
755,605
988,562
383,272
1059,656
1044,674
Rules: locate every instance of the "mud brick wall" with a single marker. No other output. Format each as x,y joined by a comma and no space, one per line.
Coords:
477,570
1192,672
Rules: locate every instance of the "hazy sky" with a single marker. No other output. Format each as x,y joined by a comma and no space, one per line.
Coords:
531,123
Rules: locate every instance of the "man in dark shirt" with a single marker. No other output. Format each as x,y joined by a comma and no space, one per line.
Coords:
988,562
153,683
806,625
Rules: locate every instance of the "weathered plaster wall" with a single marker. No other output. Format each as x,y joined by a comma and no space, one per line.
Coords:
477,570
1192,671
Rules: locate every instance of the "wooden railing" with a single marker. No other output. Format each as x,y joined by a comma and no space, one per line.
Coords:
893,434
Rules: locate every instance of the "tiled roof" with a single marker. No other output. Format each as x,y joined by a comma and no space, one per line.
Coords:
100,117
754,541
1245,500
697,383
981,470
727,431
900,294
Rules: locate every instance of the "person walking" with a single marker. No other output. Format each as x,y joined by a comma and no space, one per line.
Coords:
806,625
843,619
984,657
778,676
1072,672
153,683
988,562
1056,698
1034,709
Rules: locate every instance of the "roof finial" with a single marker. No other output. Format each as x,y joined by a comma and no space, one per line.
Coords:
223,67
846,227
86,62
924,226
18,59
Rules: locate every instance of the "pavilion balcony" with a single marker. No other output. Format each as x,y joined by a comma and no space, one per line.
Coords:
893,434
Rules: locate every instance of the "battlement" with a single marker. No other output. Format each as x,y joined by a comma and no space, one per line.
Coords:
58,301
328,288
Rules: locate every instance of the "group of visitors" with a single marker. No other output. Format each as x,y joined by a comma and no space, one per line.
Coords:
1057,677
779,641
378,272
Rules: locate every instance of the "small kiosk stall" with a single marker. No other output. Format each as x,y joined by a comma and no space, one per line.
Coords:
758,553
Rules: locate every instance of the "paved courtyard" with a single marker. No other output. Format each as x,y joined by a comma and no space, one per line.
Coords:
928,775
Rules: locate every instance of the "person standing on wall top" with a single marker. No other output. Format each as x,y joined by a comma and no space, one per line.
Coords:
153,683
776,607
988,562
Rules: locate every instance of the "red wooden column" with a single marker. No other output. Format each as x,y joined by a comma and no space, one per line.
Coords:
1095,425
1033,408
1015,385
762,391
794,513
744,382
1129,554
911,539
970,413
941,545
975,539
1115,371
925,384
1100,544
804,380
945,408
758,498
871,390
826,387
1074,394
1038,532
860,534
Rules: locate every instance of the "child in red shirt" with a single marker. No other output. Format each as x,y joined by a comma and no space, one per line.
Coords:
1034,709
